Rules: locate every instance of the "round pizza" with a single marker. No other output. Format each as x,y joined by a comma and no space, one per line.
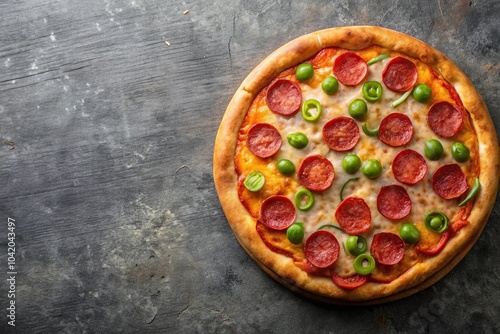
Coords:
356,165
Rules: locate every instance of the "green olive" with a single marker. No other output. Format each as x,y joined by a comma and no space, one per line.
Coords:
295,233
460,152
435,223
304,72
285,167
422,93
358,109
433,149
371,168
297,140
351,163
254,181
409,233
330,85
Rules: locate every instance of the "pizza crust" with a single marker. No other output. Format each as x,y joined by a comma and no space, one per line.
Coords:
281,267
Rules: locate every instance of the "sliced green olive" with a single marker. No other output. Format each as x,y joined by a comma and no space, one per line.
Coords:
295,233
304,72
364,264
254,181
436,221
330,85
311,110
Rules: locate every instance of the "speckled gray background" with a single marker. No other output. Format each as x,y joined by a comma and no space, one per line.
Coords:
118,226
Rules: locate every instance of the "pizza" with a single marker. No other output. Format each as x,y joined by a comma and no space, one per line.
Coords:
356,165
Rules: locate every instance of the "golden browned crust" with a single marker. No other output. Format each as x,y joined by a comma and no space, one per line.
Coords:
281,267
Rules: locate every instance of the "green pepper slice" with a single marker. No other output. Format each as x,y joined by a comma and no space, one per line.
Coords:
401,99
254,181
436,221
356,244
322,227
345,185
369,132
364,264
377,59
472,193
311,110
372,91
304,199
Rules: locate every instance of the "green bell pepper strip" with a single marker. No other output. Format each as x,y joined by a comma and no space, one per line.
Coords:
401,99
472,193
369,132
356,245
322,227
300,196
308,106
345,185
377,59
364,264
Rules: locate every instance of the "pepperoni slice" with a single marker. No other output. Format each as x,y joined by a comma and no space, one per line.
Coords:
277,212
444,119
353,215
263,140
393,202
321,249
409,166
395,130
349,68
284,97
449,181
387,248
341,133
316,173
400,74
350,282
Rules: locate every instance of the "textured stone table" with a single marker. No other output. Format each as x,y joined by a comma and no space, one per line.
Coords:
108,114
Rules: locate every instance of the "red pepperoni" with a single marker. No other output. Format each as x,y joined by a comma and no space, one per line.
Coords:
449,181
393,202
353,215
350,282
321,249
395,129
316,173
263,140
400,74
444,119
349,68
341,133
387,248
284,97
277,212
409,166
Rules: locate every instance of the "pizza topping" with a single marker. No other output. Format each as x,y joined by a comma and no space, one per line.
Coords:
358,109
330,85
460,152
369,132
353,215
444,119
372,91
304,199
322,227
345,185
377,59
422,92
304,72
409,233
277,212
341,133
433,149
372,168
449,181
351,163
349,283
400,74
409,167
284,97
295,233
364,264
356,244
472,193
401,99
349,68
254,181
433,250
321,249
285,167
316,173
393,202
263,140
436,221
311,110
297,140
387,248
395,129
